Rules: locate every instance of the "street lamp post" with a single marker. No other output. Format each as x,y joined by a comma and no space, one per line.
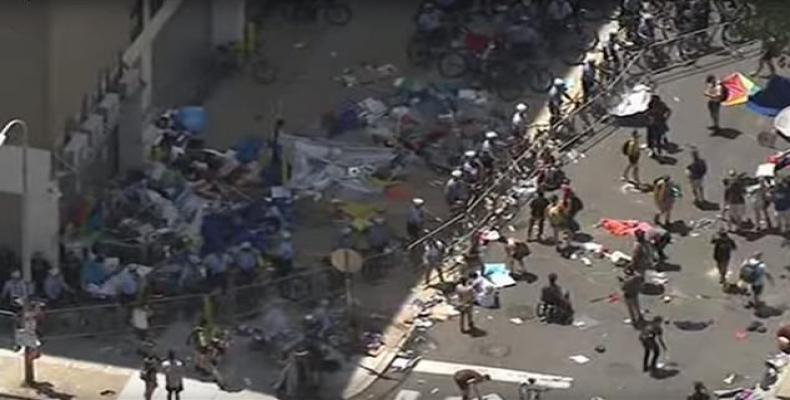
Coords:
25,245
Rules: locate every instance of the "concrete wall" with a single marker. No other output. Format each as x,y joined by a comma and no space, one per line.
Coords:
85,37
43,202
180,53
24,34
227,21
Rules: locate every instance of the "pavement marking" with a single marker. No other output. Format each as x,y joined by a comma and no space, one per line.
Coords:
497,374
408,395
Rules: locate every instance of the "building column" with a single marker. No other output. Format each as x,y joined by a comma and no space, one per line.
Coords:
227,21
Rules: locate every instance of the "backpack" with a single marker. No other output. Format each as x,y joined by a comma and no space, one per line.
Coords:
626,147
749,273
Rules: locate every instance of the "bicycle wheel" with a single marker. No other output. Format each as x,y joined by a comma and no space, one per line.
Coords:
263,72
337,14
734,34
418,51
453,65
539,78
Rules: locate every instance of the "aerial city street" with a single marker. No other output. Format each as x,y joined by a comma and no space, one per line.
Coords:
395,200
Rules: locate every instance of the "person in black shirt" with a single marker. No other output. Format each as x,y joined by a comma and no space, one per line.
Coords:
657,113
771,49
696,172
734,200
700,392
722,251
651,336
555,302
537,214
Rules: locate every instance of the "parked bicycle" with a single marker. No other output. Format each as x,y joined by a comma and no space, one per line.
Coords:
490,72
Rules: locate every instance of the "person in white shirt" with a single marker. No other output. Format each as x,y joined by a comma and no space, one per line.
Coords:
173,369
519,121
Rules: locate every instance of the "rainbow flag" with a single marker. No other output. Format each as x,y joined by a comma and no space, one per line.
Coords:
739,88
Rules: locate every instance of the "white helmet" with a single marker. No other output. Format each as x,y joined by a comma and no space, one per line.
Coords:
417,201
456,173
521,107
491,135
470,153
559,82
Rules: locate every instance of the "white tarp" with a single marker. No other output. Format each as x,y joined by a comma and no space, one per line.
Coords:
633,102
782,123
319,165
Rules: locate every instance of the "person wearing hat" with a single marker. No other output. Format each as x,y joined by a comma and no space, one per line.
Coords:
723,246
455,191
664,194
247,259
467,381
345,239
15,290
471,167
378,235
488,155
415,219
516,251
557,96
432,257
55,286
716,93
753,272
519,120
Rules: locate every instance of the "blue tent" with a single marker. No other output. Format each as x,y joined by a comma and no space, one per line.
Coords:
773,99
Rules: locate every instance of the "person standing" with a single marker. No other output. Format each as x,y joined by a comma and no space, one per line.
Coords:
753,271
723,247
432,259
781,201
631,152
148,376
664,194
658,114
696,172
537,214
589,80
716,93
173,369
641,255
770,50
651,336
415,220
558,219
466,301
516,251
519,121
467,380
759,200
632,286
734,200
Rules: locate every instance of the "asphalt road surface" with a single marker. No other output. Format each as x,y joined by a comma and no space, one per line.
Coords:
708,355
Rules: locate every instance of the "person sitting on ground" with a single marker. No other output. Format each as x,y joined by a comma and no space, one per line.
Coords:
467,380
56,288
555,303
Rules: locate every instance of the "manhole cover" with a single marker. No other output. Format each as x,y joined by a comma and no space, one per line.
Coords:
495,350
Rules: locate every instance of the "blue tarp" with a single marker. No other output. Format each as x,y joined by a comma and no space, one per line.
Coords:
773,99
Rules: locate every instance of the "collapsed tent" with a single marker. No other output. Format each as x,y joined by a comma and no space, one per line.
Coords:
345,170
773,99
632,105
739,88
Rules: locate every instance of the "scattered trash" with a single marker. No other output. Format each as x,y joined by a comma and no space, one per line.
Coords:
586,261
666,299
434,390
300,45
585,322
754,326
517,321
404,363
600,349
732,378
741,336
579,359
627,321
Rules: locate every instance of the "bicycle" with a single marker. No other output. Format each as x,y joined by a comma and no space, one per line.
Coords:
492,73
333,12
